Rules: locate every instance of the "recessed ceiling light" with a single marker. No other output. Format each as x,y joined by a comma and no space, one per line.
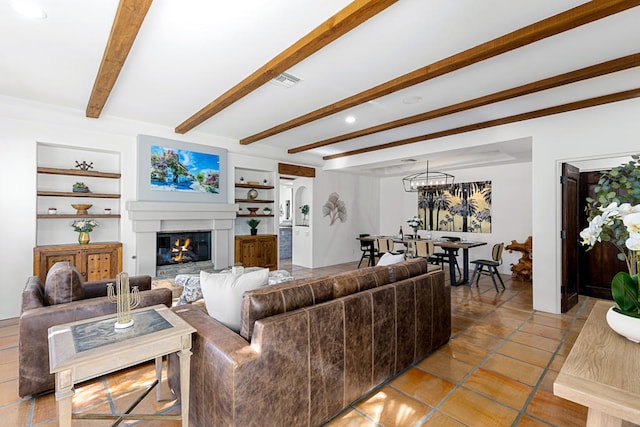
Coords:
350,119
412,100
28,10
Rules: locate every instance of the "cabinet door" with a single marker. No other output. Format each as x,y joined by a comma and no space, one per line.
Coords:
44,260
251,253
270,253
101,264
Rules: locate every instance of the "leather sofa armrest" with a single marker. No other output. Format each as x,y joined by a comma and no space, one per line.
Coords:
33,294
98,288
217,353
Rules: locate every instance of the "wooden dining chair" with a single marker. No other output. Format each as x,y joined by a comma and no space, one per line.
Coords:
491,265
385,245
424,249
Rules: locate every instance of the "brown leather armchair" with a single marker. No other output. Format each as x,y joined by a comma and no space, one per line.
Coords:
37,317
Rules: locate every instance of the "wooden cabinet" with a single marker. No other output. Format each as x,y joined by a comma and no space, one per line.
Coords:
257,251
95,261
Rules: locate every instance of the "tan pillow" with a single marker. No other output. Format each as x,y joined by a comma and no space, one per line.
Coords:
63,284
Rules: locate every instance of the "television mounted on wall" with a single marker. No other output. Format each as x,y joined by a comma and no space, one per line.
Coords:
177,171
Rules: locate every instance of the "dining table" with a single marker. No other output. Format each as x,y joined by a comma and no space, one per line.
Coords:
449,246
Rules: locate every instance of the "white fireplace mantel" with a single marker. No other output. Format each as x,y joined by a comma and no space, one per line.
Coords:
149,218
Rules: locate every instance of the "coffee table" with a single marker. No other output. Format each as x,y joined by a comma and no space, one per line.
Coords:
90,348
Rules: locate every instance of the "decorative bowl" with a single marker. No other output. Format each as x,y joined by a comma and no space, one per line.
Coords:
252,211
81,209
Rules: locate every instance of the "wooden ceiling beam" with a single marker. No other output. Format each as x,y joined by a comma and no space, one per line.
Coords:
567,20
126,24
572,106
597,70
333,28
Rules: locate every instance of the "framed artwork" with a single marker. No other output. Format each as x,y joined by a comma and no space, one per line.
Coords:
170,170
464,207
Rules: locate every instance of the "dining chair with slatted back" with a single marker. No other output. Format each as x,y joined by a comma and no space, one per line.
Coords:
425,249
385,245
491,267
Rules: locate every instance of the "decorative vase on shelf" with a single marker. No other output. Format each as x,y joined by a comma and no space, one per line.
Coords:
84,237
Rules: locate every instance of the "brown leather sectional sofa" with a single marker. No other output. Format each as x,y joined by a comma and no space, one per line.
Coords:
308,348
37,317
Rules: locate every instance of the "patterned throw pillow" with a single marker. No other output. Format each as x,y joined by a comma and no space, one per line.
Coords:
191,290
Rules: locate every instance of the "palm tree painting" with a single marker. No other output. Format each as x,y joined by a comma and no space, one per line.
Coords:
462,207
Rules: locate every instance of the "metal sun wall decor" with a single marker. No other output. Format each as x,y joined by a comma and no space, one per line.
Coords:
335,208
462,207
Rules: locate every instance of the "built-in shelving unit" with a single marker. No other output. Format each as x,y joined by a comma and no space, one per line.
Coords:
55,181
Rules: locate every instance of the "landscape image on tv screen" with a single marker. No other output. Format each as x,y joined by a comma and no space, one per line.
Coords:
173,169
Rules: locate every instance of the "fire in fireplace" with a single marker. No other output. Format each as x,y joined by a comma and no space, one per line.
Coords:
183,247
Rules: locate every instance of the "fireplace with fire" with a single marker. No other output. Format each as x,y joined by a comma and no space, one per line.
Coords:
183,247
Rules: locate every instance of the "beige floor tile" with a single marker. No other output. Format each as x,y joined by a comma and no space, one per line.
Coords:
556,410
9,392
475,410
438,419
7,331
547,319
498,387
391,408
478,339
423,386
45,408
512,368
557,362
350,419
464,352
444,366
525,353
527,421
535,341
8,342
542,330
547,381
16,414
490,328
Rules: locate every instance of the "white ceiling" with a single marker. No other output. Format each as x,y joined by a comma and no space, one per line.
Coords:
189,52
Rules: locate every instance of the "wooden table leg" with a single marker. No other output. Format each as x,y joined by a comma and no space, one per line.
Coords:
596,418
185,368
158,377
64,396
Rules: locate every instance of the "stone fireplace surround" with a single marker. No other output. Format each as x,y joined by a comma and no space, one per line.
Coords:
149,218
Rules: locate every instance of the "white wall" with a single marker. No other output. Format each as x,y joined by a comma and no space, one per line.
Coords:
337,244
510,208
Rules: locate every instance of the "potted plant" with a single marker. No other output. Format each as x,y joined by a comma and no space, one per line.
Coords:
614,217
304,209
253,223
415,223
267,210
84,227
79,187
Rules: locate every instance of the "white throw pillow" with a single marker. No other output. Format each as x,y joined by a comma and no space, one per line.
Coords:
222,293
388,258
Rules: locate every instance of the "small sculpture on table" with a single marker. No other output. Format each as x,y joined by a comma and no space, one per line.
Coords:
125,299
523,270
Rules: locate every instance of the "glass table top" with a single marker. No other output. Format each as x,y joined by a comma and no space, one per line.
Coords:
90,335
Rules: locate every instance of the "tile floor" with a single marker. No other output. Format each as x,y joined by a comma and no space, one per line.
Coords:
497,370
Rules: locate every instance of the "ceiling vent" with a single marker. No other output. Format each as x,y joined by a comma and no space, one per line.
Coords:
285,80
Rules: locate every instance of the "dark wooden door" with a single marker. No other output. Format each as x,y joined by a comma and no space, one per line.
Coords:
570,236
601,263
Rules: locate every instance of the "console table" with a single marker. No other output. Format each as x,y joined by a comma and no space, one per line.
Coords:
89,348
601,373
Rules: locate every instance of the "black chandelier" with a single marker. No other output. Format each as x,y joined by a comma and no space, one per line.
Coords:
427,180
